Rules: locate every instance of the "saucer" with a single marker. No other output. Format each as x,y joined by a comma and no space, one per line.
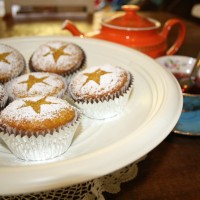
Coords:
189,123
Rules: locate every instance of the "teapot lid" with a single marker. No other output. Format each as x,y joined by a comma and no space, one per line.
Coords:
130,19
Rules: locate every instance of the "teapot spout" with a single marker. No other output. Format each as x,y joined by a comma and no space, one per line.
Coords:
68,25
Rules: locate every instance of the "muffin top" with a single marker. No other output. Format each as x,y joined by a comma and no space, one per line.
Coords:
3,96
58,57
99,82
36,84
37,115
12,63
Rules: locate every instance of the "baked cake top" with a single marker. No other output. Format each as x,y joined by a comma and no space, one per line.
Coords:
36,83
57,57
37,114
12,62
99,81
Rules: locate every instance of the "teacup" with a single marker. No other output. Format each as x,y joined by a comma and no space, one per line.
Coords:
181,66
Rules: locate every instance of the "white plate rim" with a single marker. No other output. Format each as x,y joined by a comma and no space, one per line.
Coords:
41,177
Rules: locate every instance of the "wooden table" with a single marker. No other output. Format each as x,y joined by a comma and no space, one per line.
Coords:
172,170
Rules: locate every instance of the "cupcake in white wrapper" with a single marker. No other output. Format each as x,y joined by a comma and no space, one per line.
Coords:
39,128
3,97
36,84
60,57
102,91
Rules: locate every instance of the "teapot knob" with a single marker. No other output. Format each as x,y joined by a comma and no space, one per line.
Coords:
131,8
132,19
130,11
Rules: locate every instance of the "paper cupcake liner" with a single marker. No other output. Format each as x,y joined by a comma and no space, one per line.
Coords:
106,107
41,147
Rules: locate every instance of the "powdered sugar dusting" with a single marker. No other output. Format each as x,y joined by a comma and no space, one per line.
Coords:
17,110
16,62
3,96
42,58
109,82
48,84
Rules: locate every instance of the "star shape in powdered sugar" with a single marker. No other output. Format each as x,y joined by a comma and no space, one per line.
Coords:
36,105
32,80
3,57
57,52
95,76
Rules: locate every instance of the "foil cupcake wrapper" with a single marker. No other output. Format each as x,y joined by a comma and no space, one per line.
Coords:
106,107
41,147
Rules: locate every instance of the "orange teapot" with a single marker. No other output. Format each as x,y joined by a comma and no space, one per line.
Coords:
134,31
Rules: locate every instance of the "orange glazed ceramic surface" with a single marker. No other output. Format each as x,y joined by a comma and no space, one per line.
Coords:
134,31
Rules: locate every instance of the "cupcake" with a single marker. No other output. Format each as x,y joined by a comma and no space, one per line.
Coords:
38,128
3,97
58,57
36,84
12,63
102,91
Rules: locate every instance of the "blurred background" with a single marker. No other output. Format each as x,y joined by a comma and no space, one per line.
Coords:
45,17
187,9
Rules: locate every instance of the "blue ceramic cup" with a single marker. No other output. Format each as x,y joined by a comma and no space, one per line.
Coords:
181,66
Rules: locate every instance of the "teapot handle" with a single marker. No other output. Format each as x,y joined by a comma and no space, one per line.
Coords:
181,35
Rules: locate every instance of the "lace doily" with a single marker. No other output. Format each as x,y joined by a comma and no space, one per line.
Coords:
90,190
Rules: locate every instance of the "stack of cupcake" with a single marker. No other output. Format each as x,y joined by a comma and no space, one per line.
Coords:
38,123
